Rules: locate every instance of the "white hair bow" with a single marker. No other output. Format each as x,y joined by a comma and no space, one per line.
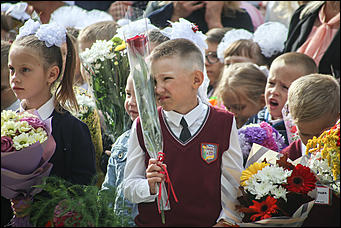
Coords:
270,37
51,34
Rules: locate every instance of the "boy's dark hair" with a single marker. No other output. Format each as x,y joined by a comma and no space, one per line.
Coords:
215,35
180,47
156,36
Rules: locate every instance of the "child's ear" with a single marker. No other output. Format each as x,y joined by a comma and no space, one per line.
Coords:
53,74
198,78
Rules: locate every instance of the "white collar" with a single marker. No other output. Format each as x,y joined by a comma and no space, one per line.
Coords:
190,117
303,148
14,106
45,110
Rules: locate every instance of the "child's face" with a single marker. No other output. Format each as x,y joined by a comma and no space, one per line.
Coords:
28,79
176,84
241,106
308,129
276,91
130,101
212,63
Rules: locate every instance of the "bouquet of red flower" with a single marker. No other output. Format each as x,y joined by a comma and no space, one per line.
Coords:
26,147
276,194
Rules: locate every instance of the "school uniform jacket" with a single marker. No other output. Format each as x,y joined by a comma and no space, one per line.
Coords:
74,157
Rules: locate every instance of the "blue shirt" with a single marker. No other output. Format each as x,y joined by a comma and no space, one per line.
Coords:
114,177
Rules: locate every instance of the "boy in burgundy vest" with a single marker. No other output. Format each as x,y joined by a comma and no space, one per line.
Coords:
201,147
314,104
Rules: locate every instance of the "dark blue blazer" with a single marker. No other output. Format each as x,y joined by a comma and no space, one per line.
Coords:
74,157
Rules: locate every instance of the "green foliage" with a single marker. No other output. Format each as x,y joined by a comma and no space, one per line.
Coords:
90,206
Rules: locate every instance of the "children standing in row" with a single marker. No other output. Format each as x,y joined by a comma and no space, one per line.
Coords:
200,166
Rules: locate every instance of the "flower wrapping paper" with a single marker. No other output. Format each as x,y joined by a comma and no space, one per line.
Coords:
257,154
22,169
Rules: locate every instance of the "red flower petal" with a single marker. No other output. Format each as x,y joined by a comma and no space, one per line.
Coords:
302,180
264,209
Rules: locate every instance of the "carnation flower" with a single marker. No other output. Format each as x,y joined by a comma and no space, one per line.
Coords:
34,122
6,144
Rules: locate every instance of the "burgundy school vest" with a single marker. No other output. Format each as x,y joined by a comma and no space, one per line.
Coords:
194,170
294,150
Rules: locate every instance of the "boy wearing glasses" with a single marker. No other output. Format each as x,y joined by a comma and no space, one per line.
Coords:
213,66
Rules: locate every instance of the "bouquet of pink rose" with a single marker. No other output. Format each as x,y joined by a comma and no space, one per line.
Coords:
26,147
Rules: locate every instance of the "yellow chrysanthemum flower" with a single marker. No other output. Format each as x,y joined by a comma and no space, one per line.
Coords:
250,171
120,47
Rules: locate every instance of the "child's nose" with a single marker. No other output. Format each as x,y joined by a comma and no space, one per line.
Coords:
159,88
132,101
275,90
14,78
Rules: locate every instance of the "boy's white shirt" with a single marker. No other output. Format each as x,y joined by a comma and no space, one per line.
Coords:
136,188
303,148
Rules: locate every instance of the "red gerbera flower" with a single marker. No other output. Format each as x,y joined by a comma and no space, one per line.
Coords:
264,209
301,180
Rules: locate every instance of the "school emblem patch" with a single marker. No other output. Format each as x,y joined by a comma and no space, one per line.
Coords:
209,152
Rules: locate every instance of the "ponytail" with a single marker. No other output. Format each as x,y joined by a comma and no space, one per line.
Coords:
65,96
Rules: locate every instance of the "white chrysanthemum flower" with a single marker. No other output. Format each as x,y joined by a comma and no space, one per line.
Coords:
279,192
40,135
21,141
267,181
9,128
7,115
26,115
274,174
100,50
23,126
258,188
